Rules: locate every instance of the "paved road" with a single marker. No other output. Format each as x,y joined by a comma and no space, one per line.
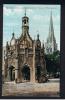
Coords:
50,88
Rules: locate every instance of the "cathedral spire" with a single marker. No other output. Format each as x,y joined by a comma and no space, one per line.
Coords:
51,45
51,29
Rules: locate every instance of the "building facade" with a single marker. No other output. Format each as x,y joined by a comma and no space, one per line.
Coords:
51,45
24,60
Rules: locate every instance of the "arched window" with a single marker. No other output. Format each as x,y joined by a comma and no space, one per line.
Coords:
24,21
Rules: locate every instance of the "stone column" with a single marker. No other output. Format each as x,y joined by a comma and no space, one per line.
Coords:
16,71
33,66
8,75
16,67
6,71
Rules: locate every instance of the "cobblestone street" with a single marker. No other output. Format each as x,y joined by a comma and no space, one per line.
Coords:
50,88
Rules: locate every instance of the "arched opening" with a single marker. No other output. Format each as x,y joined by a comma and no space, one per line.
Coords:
38,72
11,73
26,73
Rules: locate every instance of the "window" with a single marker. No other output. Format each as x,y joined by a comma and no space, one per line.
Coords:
24,21
50,49
11,53
47,50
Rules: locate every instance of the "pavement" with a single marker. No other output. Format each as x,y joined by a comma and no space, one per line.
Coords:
50,88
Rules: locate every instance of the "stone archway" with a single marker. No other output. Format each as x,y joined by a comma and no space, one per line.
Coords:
38,72
11,73
26,73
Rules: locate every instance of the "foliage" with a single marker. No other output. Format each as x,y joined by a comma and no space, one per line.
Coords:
53,62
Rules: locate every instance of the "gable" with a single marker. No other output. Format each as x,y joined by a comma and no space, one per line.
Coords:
25,40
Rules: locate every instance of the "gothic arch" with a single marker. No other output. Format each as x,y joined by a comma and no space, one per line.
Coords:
11,73
26,72
38,72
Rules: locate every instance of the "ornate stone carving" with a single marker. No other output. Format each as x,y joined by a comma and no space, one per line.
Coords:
25,52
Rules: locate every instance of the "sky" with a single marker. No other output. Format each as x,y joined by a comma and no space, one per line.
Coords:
39,20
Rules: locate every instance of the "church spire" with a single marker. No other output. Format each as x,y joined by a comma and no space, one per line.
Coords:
51,29
37,35
51,45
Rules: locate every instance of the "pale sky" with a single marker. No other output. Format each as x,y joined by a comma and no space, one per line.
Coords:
39,20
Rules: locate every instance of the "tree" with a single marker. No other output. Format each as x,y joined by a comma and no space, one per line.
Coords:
53,62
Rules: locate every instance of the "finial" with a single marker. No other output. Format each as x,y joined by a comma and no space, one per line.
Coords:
38,35
25,11
13,34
